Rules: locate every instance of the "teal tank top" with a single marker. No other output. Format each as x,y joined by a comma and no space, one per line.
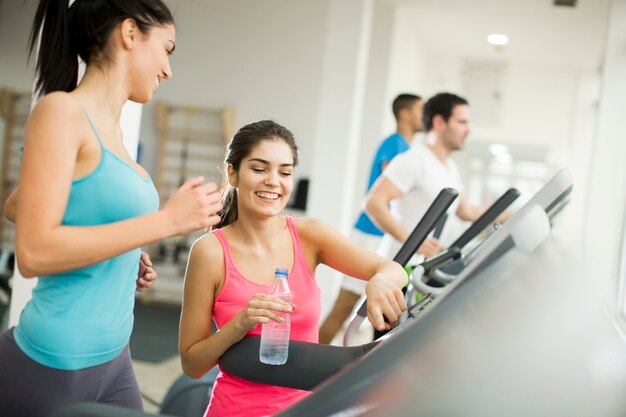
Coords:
83,318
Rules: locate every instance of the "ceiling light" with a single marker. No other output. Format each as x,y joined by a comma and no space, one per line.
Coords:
497,39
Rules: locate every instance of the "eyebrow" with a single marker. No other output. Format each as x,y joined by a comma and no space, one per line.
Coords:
263,161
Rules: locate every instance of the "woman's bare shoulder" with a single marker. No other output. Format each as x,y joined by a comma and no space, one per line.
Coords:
207,247
53,115
312,229
308,223
59,103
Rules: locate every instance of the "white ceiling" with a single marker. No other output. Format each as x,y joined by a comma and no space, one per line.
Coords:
538,31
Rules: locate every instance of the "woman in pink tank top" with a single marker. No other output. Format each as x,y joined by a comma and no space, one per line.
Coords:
231,270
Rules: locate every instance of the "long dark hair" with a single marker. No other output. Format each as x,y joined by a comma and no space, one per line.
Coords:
83,31
239,147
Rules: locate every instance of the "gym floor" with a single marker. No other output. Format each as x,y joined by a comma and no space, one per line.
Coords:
154,349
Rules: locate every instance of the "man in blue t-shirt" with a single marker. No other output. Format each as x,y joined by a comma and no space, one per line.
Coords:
407,109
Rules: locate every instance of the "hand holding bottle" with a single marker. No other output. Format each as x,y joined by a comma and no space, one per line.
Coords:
262,308
275,333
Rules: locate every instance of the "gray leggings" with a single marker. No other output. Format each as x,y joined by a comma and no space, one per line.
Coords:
30,389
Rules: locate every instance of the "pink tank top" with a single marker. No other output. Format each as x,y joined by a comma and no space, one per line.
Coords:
233,396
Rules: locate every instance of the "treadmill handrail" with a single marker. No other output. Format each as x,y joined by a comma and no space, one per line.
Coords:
435,215
487,217
427,223
453,251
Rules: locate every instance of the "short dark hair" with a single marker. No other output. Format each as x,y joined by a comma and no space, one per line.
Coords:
83,30
239,147
403,101
440,104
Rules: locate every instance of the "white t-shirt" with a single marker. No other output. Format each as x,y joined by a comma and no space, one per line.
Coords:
420,176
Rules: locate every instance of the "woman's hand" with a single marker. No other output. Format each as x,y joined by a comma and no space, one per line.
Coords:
146,275
261,309
384,300
194,206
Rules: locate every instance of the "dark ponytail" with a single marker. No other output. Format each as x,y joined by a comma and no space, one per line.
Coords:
239,147
229,202
57,65
83,30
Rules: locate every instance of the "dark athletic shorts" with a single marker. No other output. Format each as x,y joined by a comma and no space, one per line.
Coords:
30,389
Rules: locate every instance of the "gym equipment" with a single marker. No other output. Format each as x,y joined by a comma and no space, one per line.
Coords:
189,397
441,269
433,280
456,255
98,410
498,341
313,363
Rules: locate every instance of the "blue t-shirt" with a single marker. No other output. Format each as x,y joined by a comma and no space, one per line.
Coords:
388,149
84,317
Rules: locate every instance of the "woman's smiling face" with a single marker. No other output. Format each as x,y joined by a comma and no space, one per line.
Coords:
264,181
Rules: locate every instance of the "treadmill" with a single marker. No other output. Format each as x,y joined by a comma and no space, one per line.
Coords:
455,256
498,341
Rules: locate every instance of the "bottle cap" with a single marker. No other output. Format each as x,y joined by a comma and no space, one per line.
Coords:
282,271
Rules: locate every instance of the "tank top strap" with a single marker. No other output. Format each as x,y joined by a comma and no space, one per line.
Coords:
93,127
297,245
228,256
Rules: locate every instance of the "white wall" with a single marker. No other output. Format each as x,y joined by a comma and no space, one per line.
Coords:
538,103
264,58
606,197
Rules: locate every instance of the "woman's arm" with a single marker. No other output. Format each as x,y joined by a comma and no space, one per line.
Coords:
323,244
54,135
199,349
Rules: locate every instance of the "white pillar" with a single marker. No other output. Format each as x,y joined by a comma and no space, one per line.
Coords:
606,201
339,119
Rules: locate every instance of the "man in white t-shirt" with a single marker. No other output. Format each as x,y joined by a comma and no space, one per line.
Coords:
405,190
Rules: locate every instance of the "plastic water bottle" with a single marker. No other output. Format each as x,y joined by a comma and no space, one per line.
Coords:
274,335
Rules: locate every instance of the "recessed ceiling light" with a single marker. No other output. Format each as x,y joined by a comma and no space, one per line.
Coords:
497,39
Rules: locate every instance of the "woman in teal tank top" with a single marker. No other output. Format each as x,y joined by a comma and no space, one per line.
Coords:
85,208
231,270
